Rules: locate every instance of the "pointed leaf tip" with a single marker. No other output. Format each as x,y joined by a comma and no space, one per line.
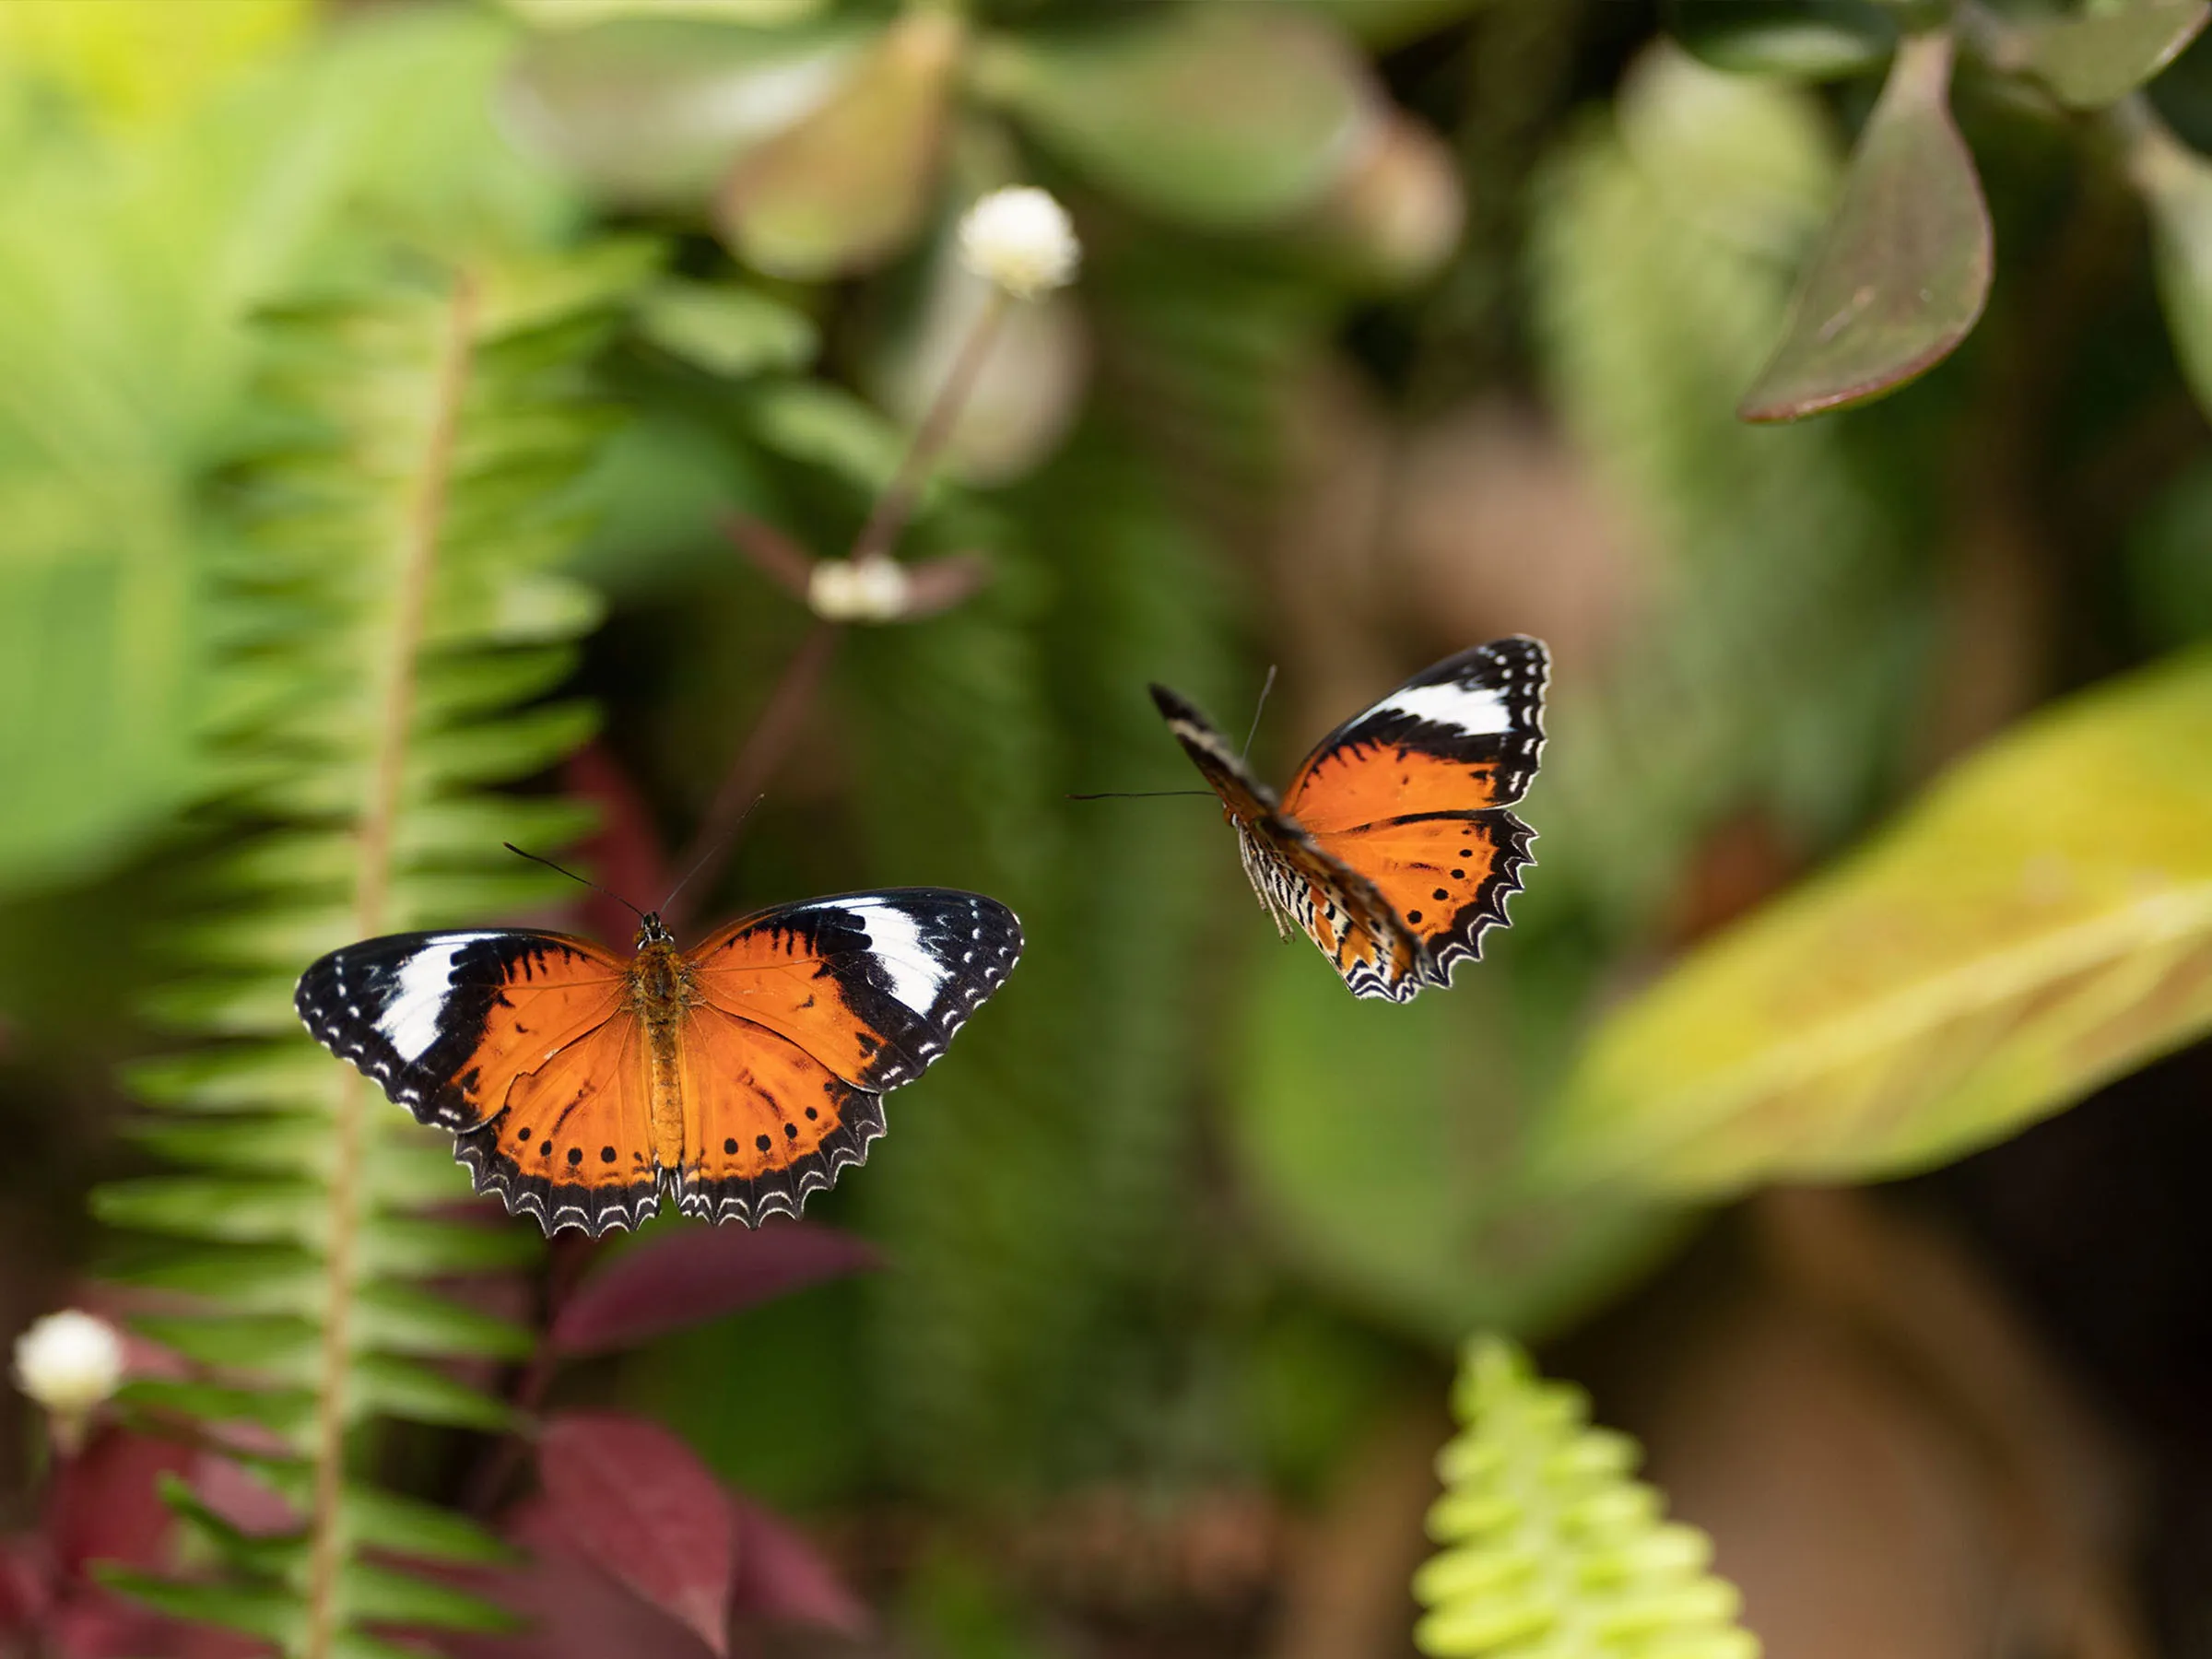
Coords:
636,1502
689,1277
2092,61
1903,269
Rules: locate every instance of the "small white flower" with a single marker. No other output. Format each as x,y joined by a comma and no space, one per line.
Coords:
1021,240
69,1362
870,590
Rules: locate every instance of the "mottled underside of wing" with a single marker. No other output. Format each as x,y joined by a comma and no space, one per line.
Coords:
1246,798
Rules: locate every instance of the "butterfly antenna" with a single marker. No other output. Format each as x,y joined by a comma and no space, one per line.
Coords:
713,851
1256,712
572,875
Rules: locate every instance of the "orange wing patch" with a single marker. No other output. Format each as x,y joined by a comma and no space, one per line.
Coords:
1369,783
772,977
1446,879
765,1122
572,1143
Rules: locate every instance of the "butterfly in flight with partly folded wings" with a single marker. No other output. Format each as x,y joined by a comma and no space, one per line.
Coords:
739,1077
1392,849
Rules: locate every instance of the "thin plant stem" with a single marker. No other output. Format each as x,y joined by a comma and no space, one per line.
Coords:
372,891
895,505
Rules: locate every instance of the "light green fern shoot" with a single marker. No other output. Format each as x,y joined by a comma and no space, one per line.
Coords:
396,624
1550,1550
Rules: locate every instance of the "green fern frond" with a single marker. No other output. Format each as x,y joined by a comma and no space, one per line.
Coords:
397,619
1551,1550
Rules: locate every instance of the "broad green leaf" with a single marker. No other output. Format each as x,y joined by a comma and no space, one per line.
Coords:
2039,924
206,1207
814,421
1222,115
2099,58
1385,1156
401,1319
248,1279
409,1247
283,1349
2176,186
843,189
584,14
287,1411
1805,40
226,1078
380,1385
1551,1546
1903,269
726,328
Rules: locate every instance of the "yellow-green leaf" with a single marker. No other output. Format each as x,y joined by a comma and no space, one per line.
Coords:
2097,59
2041,922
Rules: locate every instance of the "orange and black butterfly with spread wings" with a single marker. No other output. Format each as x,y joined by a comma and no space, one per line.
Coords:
1393,847
739,1077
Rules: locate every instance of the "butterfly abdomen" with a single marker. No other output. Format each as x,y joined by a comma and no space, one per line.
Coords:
662,991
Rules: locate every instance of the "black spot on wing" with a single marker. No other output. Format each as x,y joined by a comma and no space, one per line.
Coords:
556,1205
785,1192
1461,941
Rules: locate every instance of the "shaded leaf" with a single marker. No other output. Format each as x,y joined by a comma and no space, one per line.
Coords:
1903,269
691,1275
2097,59
2038,923
1222,115
2176,186
783,1578
1809,39
843,189
635,1501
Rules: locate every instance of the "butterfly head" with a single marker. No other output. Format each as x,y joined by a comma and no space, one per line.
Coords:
651,932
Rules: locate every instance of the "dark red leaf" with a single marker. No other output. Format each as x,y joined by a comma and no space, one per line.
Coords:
695,1274
625,852
571,1609
632,1498
105,1503
783,1578
26,1585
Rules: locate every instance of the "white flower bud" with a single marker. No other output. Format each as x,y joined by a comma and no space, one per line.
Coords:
1021,240
69,1362
870,590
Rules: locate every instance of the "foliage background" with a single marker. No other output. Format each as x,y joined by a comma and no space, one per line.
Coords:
1403,324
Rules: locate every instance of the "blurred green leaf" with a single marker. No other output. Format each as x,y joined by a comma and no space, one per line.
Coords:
2176,186
1904,269
849,184
1384,24
1386,1149
1805,40
2098,58
826,426
271,1614
582,13
1216,115
655,112
380,1596
2041,923
726,328
1549,1546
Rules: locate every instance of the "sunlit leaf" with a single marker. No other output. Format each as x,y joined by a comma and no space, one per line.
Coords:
637,1501
1550,1544
1217,114
1903,269
726,328
2041,923
2098,58
848,185
1809,39
656,110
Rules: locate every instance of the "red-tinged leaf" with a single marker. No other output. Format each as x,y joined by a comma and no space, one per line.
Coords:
783,1579
1901,272
2097,59
105,1504
625,852
695,1274
634,1501
24,1586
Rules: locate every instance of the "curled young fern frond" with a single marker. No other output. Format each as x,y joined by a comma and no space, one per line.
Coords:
1552,1551
395,620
